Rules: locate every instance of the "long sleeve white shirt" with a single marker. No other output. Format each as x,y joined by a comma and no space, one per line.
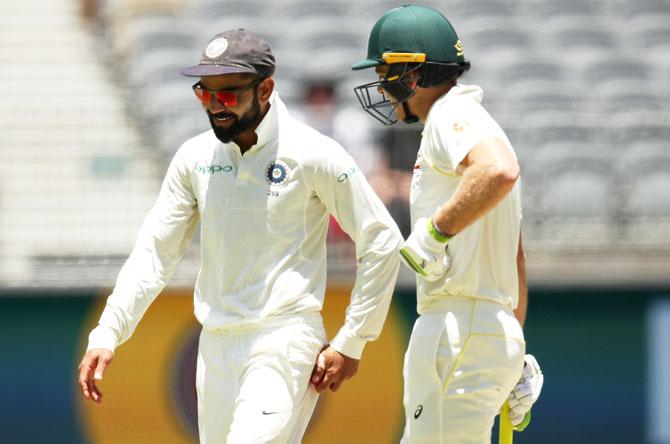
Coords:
264,218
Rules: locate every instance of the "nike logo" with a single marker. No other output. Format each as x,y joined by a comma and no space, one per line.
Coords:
269,413
418,411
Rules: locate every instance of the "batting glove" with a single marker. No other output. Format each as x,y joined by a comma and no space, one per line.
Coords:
425,250
525,393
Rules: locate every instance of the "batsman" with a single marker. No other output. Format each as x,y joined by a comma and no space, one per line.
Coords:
466,355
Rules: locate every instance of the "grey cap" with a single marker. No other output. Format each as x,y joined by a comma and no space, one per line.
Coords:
234,52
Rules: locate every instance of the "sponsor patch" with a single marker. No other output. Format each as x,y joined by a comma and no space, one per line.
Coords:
211,169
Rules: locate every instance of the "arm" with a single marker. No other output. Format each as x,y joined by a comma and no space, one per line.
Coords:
361,214
527,390
491,170
522,306
162,241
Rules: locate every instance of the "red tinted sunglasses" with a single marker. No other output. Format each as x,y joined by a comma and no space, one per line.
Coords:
226,97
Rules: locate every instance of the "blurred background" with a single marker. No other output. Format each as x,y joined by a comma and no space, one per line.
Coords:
92,108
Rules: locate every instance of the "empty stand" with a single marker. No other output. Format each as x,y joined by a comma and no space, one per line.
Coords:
581,87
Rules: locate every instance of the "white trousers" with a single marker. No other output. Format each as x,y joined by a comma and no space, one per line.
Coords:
462,362
253,381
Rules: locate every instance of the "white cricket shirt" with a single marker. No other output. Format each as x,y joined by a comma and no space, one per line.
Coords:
264,218
483,255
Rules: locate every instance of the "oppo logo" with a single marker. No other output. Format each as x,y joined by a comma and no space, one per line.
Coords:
211,169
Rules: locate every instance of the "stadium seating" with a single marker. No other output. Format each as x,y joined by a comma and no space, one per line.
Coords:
76,181
582,89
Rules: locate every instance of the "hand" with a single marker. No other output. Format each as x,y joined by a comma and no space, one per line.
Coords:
332,369
92,369
525,393
423,253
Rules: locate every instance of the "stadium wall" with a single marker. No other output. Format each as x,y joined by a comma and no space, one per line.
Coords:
593,347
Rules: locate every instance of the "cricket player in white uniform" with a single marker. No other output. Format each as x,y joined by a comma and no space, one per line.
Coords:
466,351
262,185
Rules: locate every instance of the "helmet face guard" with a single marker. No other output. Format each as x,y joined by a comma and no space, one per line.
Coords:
396,84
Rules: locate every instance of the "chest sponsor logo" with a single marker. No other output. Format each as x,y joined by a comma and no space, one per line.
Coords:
212,169
277,173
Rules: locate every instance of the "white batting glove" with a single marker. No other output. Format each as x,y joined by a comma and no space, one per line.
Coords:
425,251
525,393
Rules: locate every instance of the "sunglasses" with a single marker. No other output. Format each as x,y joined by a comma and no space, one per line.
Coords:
226,97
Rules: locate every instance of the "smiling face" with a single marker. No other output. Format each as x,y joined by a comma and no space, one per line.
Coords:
231,122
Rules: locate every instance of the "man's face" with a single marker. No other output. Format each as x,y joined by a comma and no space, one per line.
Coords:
229,121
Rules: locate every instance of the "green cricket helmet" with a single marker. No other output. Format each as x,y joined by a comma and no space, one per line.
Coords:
409,38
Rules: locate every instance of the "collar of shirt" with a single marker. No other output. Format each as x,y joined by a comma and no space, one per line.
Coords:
267,130
473,92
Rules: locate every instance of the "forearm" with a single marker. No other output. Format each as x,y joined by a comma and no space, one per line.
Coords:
370,300
140,280
481,188
522,306
366,220
142,277
162,241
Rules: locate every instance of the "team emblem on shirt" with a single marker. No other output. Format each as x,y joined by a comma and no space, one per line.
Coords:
459,126
277,173
216,47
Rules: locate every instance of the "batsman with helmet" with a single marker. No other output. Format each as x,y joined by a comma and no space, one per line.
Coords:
466,352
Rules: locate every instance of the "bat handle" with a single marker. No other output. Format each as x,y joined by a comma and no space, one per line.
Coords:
505,431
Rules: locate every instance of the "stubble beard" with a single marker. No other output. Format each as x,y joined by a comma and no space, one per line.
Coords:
250,119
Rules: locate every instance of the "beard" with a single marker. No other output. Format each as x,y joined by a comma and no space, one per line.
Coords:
250,119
